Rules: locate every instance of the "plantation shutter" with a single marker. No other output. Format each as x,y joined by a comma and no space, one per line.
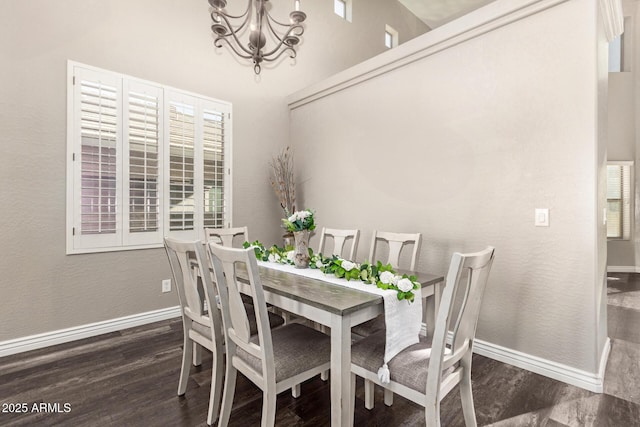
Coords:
143,176
619,201
214,164
182,179
97,150
145,161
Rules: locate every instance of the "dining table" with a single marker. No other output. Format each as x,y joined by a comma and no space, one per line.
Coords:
339,308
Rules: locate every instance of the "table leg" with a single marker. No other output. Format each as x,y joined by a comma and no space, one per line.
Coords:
432,304
340,370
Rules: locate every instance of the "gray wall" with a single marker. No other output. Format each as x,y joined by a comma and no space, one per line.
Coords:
167,41
462,146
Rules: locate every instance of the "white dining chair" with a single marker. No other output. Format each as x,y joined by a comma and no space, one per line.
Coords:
274,360
226,236
340,238
199,327
426,372
395,242
202,326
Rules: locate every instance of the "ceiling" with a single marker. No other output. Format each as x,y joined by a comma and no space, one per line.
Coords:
435,13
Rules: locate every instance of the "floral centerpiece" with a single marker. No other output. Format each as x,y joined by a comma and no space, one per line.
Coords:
301,223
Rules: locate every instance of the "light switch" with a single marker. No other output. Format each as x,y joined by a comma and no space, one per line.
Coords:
542,218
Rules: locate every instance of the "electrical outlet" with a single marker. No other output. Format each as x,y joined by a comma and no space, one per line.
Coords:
166,285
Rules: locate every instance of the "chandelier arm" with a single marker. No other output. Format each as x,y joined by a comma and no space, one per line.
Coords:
237,52
282,43
234,31
293,29
235,37
220,12
292,54
271,18
273,31
299,27
228,23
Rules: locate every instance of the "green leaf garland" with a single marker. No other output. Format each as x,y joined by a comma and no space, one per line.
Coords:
381,275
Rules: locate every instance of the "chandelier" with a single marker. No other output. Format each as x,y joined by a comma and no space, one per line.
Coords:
261,25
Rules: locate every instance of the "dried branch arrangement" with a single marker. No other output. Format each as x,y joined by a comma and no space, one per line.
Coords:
282,180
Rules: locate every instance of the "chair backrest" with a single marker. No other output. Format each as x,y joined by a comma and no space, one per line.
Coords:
188,261
339,239
467,277
396,241
225,262
225,236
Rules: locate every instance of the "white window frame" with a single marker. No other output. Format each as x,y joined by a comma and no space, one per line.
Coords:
621,49
122,239
392,35
347,6
627,190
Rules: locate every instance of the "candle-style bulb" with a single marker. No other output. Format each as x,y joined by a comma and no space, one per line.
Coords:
296,5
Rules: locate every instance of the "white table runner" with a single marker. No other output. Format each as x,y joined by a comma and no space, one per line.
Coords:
403,319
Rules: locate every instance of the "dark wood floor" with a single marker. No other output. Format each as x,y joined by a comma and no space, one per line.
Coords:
129,378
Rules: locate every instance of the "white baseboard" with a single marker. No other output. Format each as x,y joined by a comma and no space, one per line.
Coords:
622,269
33,342
604,358
554,370
557,371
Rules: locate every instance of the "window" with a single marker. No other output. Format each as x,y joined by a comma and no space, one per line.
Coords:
343,9
146,161
390,37
620,51
619,200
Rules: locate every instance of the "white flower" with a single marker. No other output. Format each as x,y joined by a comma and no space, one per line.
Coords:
348,265
405,285
291,255
319,264
303,214
386,277
299,215
395,279
274,257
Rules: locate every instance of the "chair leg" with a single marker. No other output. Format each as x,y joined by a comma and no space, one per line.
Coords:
352,400
388,397
186,365
197,354
295,391
227,394
466,393
269,407
369,394
432,414
216,387
286,316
